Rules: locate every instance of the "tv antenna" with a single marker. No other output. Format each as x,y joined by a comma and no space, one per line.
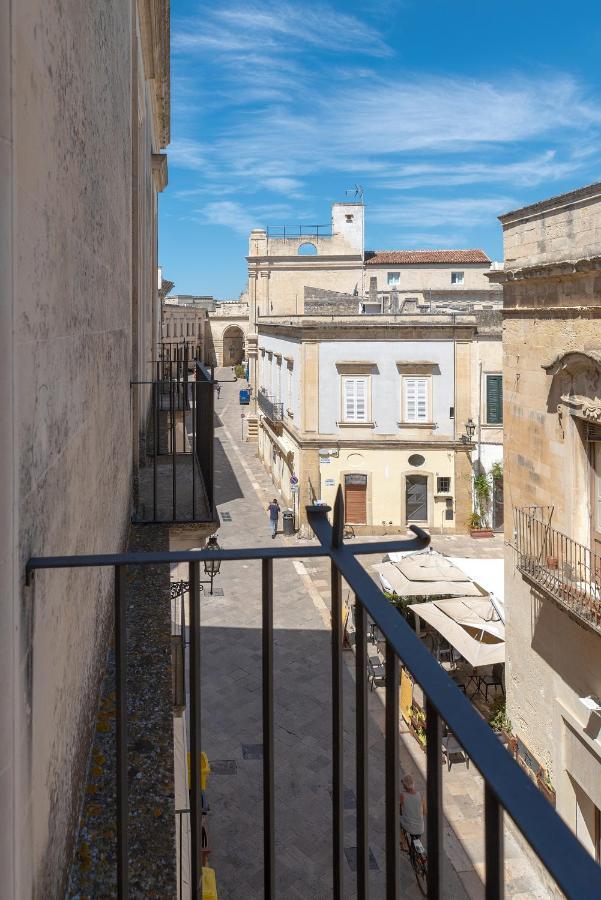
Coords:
357,193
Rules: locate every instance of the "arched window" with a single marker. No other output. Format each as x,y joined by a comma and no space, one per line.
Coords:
307,249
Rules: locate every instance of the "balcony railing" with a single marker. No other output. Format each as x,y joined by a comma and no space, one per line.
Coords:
560,566
506,786
297,231
274,411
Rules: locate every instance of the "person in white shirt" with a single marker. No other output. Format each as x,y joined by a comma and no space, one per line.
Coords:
412,808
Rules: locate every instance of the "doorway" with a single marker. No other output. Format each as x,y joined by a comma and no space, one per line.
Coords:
355,499
416,498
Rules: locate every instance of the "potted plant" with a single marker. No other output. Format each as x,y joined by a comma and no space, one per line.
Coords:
476,526
545,785
501,725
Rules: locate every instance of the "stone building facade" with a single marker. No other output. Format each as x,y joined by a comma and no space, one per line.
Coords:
552,399
378,406
83,118
211,330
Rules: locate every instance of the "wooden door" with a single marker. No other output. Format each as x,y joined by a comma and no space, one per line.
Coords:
355,499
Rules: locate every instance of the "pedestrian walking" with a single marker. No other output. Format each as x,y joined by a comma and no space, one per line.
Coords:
218,390
274,512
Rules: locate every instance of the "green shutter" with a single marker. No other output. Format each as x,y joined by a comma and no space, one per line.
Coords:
494,399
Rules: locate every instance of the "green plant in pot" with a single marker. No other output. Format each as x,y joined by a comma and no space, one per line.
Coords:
498,719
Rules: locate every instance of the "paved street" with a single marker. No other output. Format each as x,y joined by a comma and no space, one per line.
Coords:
231,660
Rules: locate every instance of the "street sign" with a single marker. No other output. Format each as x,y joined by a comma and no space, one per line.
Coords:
293,479
294,488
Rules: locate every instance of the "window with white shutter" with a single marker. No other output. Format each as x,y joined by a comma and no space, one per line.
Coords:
354,399
416,399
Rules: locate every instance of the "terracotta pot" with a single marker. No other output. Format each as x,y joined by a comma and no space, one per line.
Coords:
481,532
552,562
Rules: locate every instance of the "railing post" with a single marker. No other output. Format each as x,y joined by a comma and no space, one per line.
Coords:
494,852
268,750
434,799
361,750
337,717
195,732
392,773
121,730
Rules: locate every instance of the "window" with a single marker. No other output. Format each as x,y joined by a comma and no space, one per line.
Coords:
394,278
349,217
354,399
456,277
307,249
443,484
415,399
494,399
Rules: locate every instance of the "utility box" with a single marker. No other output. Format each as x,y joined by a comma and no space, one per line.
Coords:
288,521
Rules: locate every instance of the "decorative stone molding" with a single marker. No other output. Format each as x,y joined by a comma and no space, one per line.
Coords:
574,362
159,171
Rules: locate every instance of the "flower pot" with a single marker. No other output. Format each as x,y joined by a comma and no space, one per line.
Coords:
481,532
552,562
544,787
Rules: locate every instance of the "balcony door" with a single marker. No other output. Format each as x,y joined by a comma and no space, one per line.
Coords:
595,457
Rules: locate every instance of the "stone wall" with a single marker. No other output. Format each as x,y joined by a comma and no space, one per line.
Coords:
79,314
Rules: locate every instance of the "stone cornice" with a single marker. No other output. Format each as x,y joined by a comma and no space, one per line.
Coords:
587,194
154,21
554,269
374,442
372,330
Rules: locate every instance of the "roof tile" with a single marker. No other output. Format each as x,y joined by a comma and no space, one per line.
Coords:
415,257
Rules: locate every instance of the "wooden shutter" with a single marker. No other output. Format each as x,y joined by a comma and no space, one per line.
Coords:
494,399
355,499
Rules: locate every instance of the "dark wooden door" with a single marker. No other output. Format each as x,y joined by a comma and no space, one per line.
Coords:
355,499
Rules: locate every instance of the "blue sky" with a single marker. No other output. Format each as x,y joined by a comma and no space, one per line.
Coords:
447,112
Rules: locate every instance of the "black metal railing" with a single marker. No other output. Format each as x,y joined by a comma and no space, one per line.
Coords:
177,486
269,407
296,231
506,787
563,568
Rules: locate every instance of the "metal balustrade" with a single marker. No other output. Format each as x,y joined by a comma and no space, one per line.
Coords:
274,411
506,787
560,566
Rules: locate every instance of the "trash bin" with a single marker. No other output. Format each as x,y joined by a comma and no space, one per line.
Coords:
288,521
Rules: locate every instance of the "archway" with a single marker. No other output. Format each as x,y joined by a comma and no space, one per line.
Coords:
233,346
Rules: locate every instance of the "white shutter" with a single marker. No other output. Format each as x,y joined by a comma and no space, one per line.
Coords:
355,400
349,399
416,399
361,400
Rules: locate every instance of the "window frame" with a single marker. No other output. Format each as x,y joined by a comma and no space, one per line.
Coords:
390,281
427,378
487,421
461,275
344,379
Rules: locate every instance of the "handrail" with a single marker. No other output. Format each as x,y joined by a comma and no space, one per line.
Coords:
506,786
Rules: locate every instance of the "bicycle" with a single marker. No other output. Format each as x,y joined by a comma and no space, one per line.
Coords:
418,859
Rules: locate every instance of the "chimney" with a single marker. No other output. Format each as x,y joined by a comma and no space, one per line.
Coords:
373,289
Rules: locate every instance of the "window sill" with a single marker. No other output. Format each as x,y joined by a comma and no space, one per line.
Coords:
496,425
416,425
356,424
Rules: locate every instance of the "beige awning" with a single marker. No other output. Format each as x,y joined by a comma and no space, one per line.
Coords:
474,631
445,581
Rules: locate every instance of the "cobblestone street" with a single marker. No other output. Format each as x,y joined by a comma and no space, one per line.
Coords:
231,661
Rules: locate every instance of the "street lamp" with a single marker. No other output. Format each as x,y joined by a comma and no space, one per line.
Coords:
470,427
212,566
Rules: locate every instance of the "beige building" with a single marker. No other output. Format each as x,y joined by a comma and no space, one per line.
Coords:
84,115
552,401
378,405
207,329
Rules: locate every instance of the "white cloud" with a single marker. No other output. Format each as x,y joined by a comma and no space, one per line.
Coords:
420,213
273,26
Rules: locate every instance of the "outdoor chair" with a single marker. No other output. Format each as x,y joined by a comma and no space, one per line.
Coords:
376,671
452,748
492,679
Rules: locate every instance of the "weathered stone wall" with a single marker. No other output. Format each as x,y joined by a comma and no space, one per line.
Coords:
79,326
561,228
551,307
